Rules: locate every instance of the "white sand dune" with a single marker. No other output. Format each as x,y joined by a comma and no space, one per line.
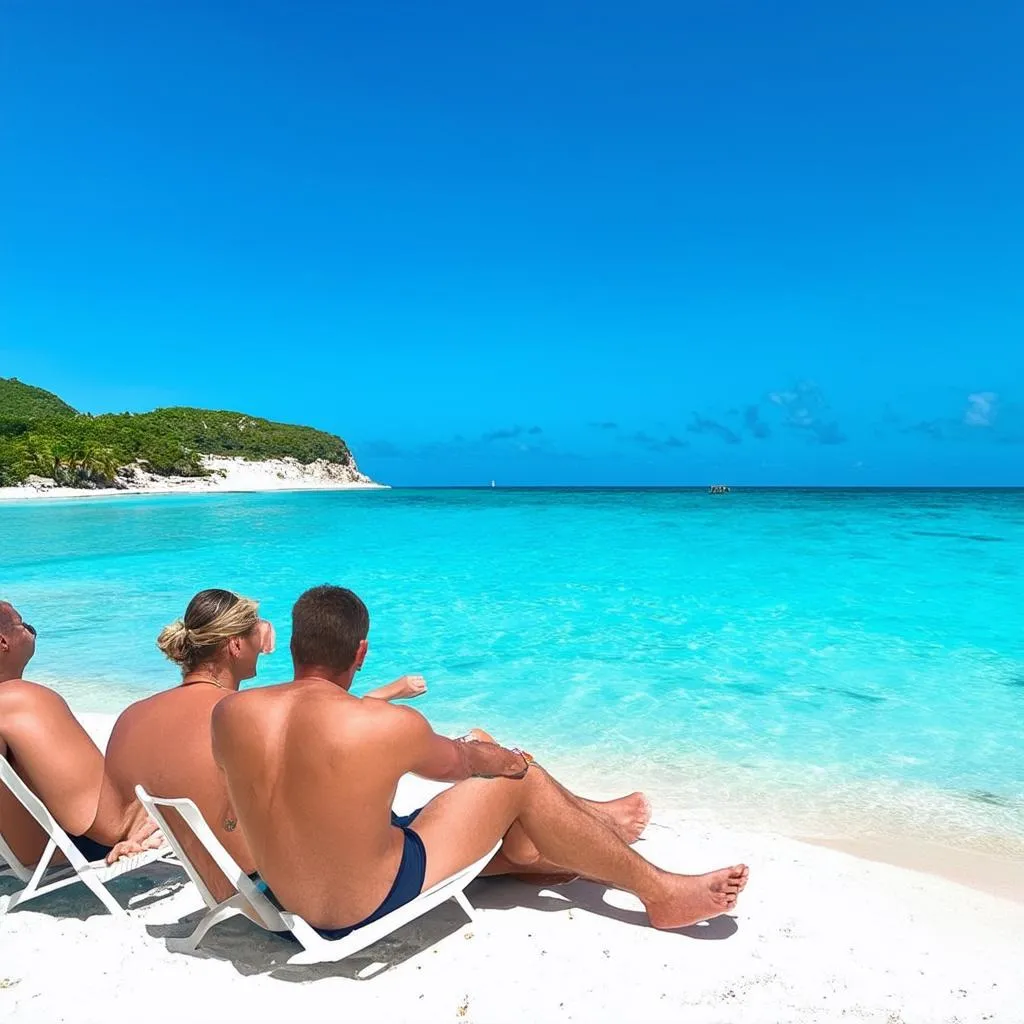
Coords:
226,475
819,935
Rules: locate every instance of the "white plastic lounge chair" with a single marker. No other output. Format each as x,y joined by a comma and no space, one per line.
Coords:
45,877
248,899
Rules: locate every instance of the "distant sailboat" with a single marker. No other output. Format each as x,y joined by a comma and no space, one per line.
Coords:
492,483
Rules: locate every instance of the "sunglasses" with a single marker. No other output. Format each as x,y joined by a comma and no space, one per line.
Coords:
31,629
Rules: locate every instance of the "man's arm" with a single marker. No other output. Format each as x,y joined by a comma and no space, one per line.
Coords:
405,686
444,760
139,831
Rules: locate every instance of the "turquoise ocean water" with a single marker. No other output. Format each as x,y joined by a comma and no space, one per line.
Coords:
836,662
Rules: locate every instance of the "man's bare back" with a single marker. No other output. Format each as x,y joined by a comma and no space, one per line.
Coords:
163,743
56,758
321,769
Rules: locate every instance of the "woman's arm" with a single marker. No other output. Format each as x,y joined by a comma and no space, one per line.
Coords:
405,686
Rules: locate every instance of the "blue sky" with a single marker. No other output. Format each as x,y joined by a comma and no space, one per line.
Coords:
586,243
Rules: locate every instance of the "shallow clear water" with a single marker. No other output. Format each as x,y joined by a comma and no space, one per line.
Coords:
809,656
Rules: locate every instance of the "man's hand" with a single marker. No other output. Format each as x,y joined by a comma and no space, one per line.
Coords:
403,687
479,736
487,760
129,847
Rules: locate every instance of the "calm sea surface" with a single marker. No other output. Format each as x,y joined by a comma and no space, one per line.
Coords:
841,662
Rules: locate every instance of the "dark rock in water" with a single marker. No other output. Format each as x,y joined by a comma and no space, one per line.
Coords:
981,538
983,796
864,698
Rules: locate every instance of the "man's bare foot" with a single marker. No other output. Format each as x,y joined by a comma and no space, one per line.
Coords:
688,899
628,816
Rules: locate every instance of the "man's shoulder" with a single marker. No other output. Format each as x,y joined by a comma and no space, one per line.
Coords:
21,692
395,719
341,708
255,702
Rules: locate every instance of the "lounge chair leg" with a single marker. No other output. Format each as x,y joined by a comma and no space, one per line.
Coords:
33,883
214,917
100,891
467,907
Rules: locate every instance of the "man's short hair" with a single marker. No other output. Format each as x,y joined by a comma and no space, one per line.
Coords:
6,614
328,625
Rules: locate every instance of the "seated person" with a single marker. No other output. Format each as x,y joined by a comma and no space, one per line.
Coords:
163,741
56,758
312,772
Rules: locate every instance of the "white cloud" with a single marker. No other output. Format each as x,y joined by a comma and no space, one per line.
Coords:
982,408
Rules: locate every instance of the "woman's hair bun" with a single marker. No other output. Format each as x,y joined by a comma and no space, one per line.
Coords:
174,641
211,618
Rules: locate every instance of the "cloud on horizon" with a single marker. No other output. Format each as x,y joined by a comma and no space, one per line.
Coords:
982,409
700,425
654,444
805,409
754,424
983,418
510,433
525,441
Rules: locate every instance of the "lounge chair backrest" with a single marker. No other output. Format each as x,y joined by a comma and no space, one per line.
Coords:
47,822
267,914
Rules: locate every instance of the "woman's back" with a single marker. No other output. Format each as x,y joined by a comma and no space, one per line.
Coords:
163,743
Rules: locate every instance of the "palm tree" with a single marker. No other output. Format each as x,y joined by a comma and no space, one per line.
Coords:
99,463
41,458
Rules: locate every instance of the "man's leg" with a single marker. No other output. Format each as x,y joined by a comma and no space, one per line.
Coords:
519,856
627,817
461,824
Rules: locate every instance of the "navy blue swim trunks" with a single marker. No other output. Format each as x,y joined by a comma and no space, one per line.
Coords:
89,848
407,886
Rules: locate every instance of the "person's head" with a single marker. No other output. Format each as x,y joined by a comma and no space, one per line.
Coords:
329,630
17,642
219,630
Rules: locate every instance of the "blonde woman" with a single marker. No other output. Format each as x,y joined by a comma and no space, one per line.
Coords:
163,742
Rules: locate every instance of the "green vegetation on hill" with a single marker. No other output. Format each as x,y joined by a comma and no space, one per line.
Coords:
24,402
42,435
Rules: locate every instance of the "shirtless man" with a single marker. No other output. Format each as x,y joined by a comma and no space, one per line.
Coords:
163,741
312,772
48,748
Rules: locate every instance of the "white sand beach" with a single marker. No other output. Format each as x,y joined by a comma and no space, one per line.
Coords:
819,935
227,474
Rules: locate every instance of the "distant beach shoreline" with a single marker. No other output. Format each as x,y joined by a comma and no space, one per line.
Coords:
227,475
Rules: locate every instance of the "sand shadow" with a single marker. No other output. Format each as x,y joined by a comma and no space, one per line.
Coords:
253,951
508,893
135,891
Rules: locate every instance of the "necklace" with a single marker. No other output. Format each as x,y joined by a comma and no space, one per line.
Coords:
212,682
